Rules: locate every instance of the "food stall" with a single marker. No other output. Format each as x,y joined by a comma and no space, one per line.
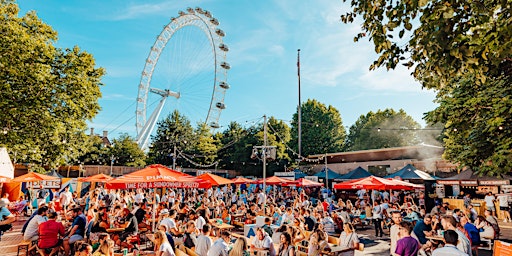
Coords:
476,186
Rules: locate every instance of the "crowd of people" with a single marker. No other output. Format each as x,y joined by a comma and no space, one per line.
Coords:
297,220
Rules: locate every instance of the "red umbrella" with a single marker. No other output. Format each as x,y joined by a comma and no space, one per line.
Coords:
274,180
302,182
216,180
242,180
96,178
373,182
33,176
157,176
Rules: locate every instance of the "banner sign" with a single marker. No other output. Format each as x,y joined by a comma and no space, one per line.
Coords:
286,175
312,178
160,184
448,182
468,182
494,182
45,183
502,248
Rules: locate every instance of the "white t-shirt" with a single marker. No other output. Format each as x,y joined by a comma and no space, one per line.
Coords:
503,200
200,222
261,198
265,243
33,227
168,223
65,197
166,249
489,201
347,241
219,248
203,245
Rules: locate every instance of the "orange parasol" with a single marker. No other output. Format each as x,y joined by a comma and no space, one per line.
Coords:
373,182
157,176
216,180
242,180
96,178
302,182
33,176
274,180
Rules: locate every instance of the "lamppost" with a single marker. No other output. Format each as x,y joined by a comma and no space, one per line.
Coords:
266,152
112,159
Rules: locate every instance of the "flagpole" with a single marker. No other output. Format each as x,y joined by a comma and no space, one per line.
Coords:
299,110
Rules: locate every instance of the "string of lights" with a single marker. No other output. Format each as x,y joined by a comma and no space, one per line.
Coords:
302,158
196,164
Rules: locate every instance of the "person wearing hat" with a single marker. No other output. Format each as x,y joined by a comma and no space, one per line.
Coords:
165,220
6,216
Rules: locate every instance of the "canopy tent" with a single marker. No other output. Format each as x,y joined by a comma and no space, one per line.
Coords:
274,180
54,173
96,178
157,176
469,178
215,180
330,174
299,174
357,173
415,186
302,182
33,176
409,172
242,180
6,167
373,182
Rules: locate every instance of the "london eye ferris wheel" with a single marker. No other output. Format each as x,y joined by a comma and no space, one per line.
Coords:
187,62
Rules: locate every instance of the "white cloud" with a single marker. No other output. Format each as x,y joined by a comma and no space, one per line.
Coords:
398,80
133,11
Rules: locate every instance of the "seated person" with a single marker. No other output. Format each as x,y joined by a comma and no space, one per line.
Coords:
423,229
49,233
6,217
130,225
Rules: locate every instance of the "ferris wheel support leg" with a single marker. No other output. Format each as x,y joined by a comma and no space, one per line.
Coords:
143,137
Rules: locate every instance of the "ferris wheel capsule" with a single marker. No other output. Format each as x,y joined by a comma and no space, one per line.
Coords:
224,47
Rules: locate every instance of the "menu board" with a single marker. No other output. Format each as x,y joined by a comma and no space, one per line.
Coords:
502,249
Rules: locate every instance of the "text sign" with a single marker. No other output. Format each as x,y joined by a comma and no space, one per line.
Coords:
286,175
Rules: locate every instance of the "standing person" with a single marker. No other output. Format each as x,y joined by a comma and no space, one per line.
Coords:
394,230
406,245
204,242
49,232
489,203
503,200
286,247
42,194
220,247
6,217
377,218
65,199
348,241
450,237
77,231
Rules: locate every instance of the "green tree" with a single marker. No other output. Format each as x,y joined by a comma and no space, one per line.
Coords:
478,130
205,146
451,45
175,131
382,129
46,93
126,152
96,152
322,129
234,151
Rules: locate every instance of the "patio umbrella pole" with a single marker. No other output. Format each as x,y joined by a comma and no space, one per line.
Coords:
154,209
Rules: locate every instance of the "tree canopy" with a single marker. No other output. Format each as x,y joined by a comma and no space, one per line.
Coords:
382,129
461,49
46,93
322,129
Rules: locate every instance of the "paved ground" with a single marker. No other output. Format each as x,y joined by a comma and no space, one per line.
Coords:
373,245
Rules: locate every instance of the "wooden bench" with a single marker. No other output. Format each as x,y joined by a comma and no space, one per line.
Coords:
333,240
24,245
190,252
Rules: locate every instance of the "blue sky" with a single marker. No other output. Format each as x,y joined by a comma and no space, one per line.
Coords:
263,37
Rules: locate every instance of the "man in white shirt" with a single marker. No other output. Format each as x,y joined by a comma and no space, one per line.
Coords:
201,222
263,242
393,231
451,237
220,247
65,198
139,197
32,230
261,198
204,242
165,220
503,200
489,203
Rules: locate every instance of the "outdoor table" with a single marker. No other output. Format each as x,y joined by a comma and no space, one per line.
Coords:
222,226
114,230
435,238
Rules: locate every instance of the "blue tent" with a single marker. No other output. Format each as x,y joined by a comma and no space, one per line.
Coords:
409,172
357,173
330,174
299,174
